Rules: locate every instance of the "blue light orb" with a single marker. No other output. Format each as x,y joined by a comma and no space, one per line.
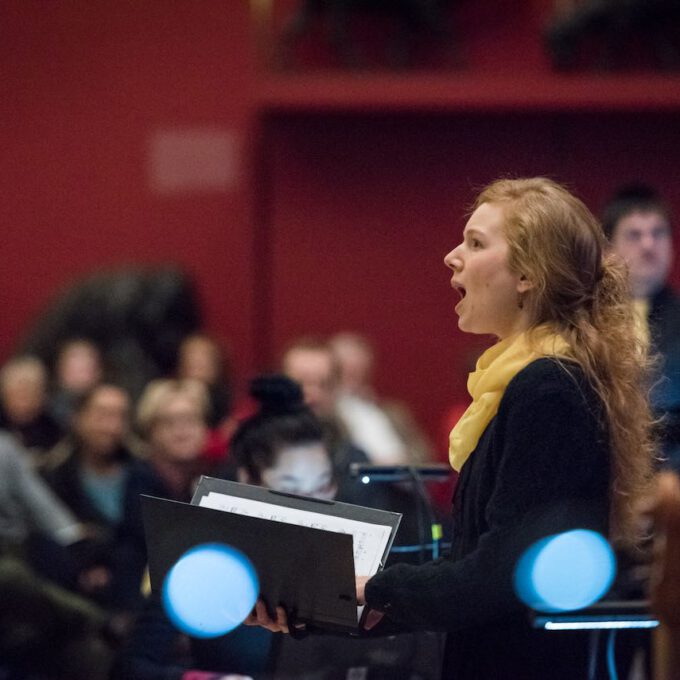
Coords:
210,590
567,571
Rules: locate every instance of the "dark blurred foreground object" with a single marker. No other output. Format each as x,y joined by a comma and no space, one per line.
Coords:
665,581
47,633
137,317
48,629
408,20
156,650
615,33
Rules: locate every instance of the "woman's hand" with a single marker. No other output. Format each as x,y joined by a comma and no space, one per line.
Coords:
373,617
361,586
260,617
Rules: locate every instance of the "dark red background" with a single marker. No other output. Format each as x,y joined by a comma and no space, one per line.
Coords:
350,188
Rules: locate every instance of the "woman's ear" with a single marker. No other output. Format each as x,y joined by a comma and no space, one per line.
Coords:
524,285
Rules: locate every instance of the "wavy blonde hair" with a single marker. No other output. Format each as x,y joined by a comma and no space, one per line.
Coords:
581,292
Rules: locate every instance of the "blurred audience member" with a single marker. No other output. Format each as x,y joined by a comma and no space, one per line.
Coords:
77,369
171,416
28,506
313,365
89,470
310,362
386,431
46,630
23,400
638,224
280,446
201,358
283,446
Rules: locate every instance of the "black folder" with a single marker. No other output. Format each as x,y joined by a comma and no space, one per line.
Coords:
308,570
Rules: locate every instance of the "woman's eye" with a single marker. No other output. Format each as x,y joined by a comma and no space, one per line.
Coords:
475,243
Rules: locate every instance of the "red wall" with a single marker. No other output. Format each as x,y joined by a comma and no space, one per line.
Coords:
365,208
86,85
329,221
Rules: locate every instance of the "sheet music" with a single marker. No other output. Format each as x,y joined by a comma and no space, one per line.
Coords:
370,540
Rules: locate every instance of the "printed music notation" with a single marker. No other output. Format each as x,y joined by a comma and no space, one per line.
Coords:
370,540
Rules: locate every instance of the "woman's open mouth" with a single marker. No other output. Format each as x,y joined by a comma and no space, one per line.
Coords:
460,289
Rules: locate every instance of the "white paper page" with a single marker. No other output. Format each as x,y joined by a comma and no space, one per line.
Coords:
370,540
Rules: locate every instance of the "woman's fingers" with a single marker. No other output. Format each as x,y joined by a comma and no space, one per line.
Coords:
255,616
251,619
263,617
260,617
281,620
360,586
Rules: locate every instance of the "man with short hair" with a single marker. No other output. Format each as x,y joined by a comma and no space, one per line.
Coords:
638,224
313,365
310,362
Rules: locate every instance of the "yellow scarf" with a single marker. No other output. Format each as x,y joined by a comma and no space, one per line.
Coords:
495,369
641,319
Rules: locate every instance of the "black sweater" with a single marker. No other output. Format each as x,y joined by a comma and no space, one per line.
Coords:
540,467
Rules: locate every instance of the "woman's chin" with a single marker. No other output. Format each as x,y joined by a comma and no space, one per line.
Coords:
463,321
465,326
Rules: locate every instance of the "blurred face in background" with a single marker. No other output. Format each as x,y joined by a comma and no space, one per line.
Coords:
23,391
78,367
643,240
200,359
355,359
315,371
178,431
102,423
303,469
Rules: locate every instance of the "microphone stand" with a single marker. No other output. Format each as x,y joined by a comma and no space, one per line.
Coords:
426,505
415,474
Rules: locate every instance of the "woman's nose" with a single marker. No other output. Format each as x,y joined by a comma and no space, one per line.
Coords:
452,260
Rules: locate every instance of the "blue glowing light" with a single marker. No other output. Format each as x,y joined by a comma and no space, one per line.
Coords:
566,571
365,479
210,590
